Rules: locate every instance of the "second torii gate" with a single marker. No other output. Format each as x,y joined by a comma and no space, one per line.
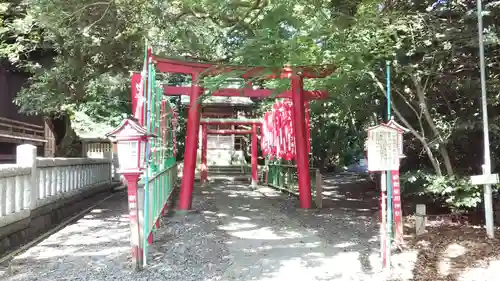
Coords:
204,145
198,71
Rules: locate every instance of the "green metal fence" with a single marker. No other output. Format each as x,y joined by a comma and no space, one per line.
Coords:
160,175
285,178
159,188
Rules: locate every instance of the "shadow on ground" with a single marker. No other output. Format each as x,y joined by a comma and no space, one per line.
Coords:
237,234
97,242
270,239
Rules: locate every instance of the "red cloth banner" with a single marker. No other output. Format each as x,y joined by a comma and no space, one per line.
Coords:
173,124
277,133
396,199
137,97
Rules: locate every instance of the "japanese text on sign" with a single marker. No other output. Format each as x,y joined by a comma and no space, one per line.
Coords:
383,149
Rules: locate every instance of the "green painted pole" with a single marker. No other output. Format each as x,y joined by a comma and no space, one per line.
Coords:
144,76
146,180
166,145
154,167
170,139
156,119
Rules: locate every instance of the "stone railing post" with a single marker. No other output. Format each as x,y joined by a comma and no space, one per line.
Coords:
114,176
26,157
319,189
420,219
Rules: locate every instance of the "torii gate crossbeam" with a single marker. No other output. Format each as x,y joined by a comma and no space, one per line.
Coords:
246,92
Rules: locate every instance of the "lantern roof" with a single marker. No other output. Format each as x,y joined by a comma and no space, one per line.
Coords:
128,127
396,125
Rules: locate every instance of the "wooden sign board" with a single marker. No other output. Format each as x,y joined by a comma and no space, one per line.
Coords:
484,179
401,129
383,148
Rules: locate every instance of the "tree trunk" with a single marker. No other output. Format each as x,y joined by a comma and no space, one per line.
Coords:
69,145
446,159
434,161
432,125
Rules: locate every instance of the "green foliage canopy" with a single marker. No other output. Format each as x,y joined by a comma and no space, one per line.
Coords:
80,53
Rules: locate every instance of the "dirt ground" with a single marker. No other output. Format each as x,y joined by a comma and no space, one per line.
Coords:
453,250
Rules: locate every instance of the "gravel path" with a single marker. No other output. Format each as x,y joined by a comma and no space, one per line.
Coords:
270,242
97,247
238,234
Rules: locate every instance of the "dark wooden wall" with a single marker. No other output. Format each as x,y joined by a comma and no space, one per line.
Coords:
11,82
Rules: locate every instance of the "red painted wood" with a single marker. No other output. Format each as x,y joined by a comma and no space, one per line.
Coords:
137,251
398,213
301,156
229,132
230,122
183,66
248,72
193,125
297,94
254,155
251,93
217,114
137,97
383,228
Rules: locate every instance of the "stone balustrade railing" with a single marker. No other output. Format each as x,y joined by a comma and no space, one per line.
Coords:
36,182
64,177
15,193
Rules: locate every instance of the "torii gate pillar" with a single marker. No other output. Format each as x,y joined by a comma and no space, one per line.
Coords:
190,152
254,156
301,154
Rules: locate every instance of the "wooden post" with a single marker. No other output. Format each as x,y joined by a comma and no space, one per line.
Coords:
319,190
135,228
193,128
254,156
301,155
420,219
383,221
398,213
204,147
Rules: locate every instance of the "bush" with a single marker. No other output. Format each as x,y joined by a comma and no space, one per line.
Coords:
455,192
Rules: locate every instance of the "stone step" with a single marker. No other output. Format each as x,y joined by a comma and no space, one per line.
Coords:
222,169
245,178
227,173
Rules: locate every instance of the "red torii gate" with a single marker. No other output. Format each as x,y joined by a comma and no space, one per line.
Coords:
198,70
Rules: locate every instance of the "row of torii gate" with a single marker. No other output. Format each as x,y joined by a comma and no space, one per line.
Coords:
198,71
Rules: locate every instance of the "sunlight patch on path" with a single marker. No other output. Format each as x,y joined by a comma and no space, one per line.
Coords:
269,245
265,233
489,273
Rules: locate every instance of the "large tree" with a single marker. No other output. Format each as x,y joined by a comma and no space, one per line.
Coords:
80,53
90,46
433,52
